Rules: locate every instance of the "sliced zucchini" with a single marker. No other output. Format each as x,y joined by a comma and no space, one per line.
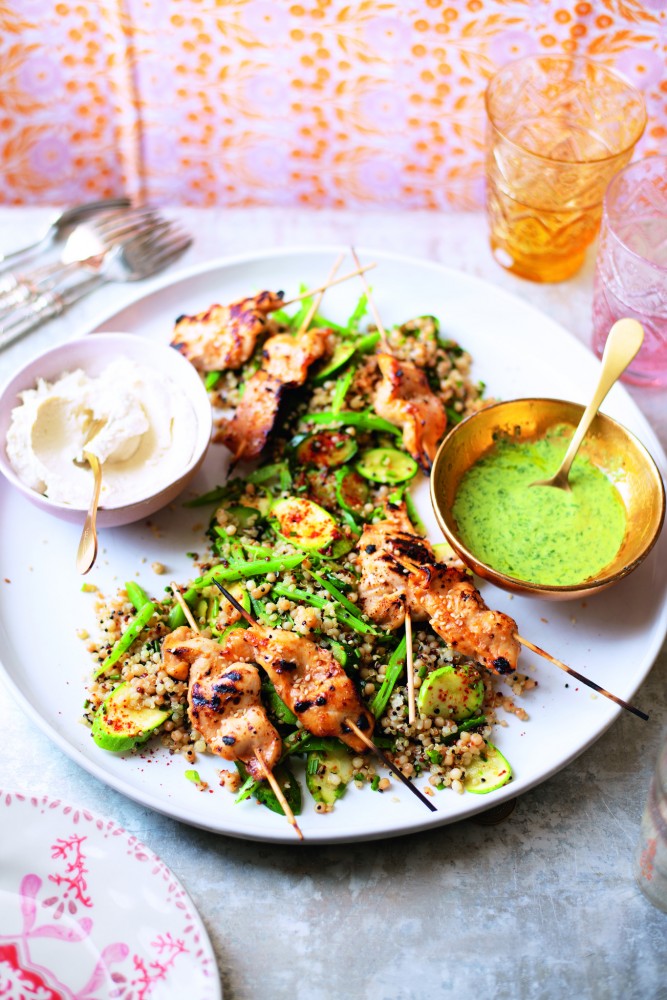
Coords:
244,517
452,693
118,726
325,449
328,773
304,523
487,772
317,485
352,491
339,359
387,465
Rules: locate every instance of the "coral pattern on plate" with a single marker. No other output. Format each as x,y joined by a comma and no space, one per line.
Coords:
60,922
312,102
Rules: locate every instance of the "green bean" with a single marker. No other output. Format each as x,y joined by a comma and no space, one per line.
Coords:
230,491
413,514
238,571
358,313
342,389
335,593
212,379
136,626
302,596
363,419
136,595
393,672
267,472
367,343
320,321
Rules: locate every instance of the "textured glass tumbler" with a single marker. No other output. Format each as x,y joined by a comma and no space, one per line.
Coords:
558,130
651,853
631,272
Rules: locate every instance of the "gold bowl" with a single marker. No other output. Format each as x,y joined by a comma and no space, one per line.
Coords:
608,445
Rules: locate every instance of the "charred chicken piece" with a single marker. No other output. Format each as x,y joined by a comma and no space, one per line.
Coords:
224,700
399,573
307,678
404,397
224,337
389,554
457,612
285,363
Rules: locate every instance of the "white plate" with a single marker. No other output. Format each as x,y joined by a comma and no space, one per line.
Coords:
87,912
613,638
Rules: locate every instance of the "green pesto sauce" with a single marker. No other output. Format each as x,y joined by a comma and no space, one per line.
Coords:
540,534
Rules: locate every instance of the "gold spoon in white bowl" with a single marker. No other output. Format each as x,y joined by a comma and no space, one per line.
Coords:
87,551
623,343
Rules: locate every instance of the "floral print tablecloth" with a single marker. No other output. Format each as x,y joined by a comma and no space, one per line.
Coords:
319,102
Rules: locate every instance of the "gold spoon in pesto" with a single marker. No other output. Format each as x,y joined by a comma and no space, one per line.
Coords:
623,343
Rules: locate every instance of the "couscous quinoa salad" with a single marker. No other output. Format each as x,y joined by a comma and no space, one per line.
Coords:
288,535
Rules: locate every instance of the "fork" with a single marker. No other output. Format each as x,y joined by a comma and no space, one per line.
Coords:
86,240
135,258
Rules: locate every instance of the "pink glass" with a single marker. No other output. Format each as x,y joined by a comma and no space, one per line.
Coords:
631,273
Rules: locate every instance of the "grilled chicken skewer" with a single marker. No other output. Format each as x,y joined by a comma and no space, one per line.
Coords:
286,359
315,687
224,702
223,337
307,678
404,397
399,575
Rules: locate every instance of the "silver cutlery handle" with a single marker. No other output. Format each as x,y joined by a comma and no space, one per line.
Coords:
43,308
16,289
9,260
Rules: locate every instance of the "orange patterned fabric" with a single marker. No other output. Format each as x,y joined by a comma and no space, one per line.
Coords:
320,102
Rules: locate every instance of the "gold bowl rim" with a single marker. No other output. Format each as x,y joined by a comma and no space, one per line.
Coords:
516,584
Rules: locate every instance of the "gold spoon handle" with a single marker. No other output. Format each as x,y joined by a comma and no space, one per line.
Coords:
623,343
87,551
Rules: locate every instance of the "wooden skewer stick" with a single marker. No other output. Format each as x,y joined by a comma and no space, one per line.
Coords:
312,312
409,666
323,288
580,677
237,604
268,774
348,722
371,302
278,792
184,607
392,767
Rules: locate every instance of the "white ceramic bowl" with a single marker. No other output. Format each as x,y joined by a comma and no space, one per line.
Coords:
93,354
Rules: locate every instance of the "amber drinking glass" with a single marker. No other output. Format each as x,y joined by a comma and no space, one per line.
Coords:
558,130
631,273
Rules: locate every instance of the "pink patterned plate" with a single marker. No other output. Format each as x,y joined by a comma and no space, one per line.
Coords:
87,912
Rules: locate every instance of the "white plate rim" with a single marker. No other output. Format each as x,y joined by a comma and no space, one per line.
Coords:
174,894
249,831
